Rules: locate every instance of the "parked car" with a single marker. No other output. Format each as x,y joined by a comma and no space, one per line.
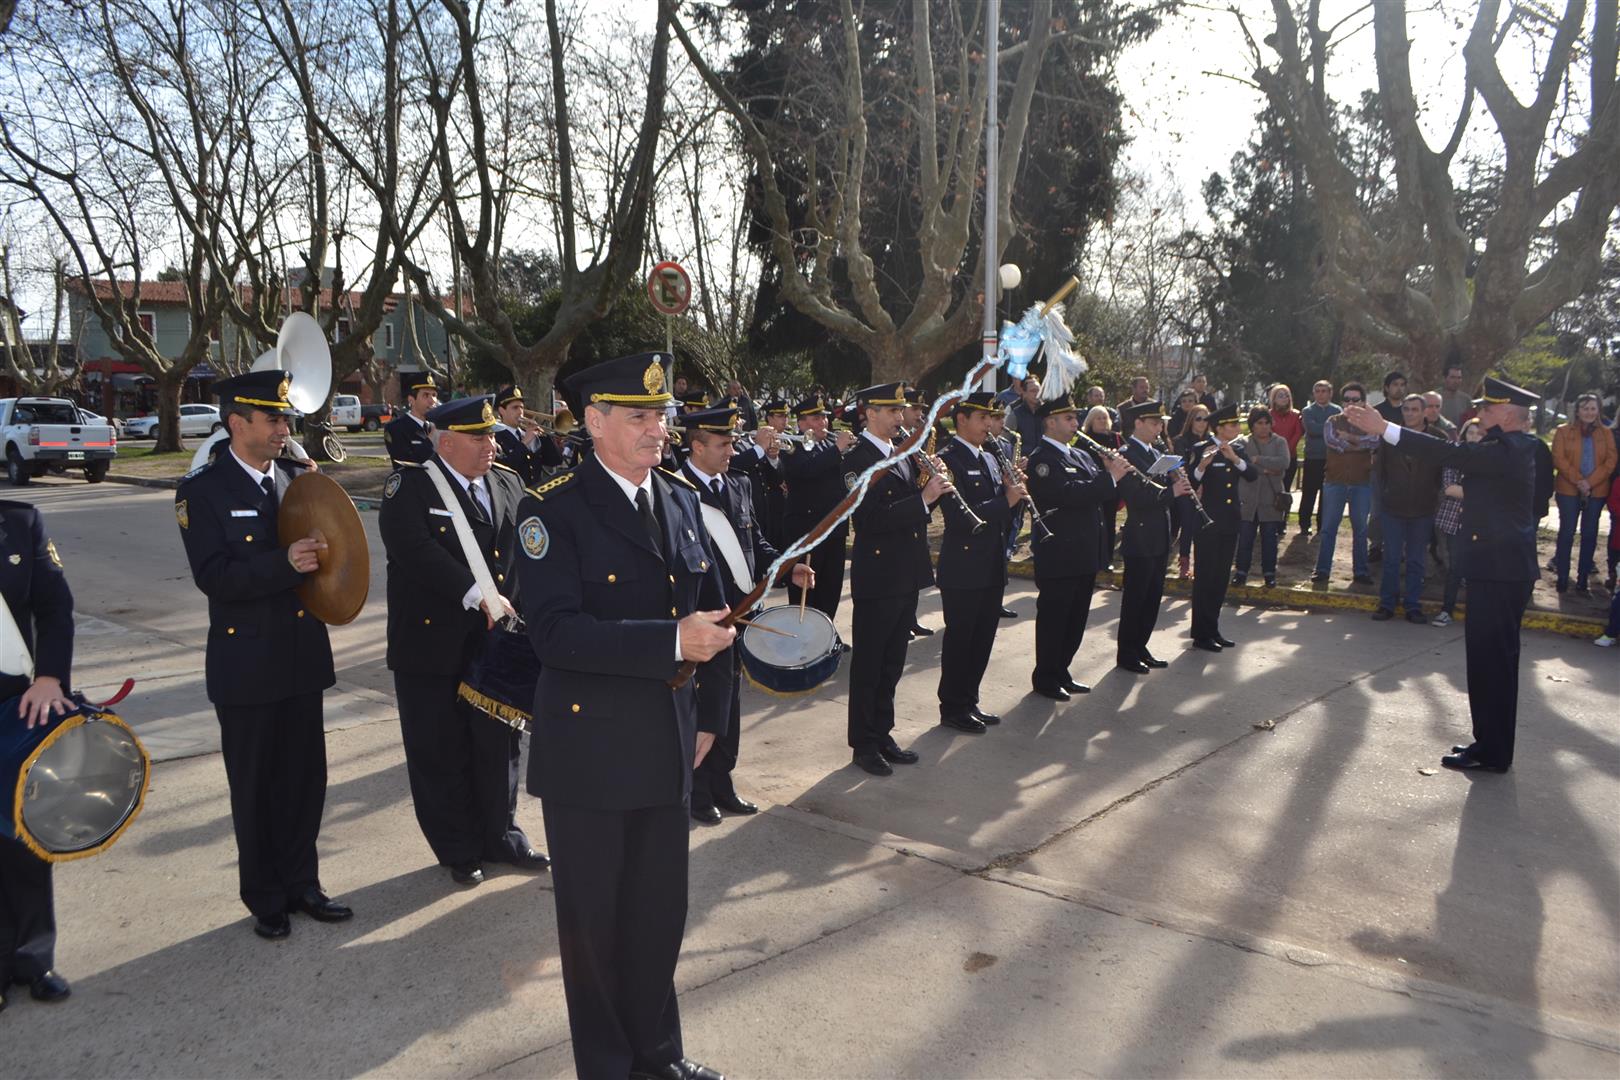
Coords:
346,412
40,434
373,417
194,420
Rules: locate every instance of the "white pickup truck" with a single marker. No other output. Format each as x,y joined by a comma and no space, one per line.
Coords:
345,412
41,434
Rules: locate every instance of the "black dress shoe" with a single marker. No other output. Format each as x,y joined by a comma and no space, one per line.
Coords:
1056,693
1467,762
1460,749
49,987
985,717
320,907
969,725
705,815
1008,613
1076,687
675,1070
1207,644
1225,643
735,804
1135,667
530,859
922,631
895,756
1153,661
1383,614
271,927
873,762
467,874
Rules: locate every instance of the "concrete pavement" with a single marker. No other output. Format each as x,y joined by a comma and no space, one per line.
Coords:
1140,882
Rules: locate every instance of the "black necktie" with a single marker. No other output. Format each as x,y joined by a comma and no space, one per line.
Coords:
474,496
268,486
655,532
714,486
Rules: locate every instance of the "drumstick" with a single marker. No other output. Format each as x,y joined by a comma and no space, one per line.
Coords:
804,598
764,628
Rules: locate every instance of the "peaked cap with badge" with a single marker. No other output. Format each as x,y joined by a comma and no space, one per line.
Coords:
1056,407
774,407
883,394
1500,392
1226,414
1146,410
470,416
411,382
810,406
719,420
979,401
264,390
636,381
506,395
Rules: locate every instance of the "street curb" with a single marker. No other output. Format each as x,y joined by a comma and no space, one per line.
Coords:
1311,599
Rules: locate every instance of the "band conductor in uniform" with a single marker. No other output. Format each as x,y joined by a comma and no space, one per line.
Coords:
972,563
462,764
708,468
619,586
888,567
268,660
1498,555
407,437
37,594
1073,493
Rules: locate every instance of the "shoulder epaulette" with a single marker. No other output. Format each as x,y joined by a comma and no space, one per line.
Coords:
508,468
398,464
199,470
551,485
678,478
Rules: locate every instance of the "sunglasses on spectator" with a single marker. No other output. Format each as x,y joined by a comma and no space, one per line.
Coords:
1348,400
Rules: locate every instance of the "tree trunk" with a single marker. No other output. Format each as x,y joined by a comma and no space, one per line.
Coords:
169,383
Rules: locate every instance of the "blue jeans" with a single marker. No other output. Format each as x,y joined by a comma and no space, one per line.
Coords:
1570,511
1270,531
1335,498
1406,541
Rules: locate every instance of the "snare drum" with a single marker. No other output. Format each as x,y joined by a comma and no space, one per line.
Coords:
70,788
790,665
501,680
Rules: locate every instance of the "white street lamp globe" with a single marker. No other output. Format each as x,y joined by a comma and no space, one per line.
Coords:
1010,275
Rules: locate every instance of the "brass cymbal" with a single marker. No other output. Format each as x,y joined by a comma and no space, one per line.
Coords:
316,505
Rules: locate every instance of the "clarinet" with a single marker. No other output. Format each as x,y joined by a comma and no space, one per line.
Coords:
938,466
1011,470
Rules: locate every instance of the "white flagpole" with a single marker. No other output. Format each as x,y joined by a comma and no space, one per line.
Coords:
992,163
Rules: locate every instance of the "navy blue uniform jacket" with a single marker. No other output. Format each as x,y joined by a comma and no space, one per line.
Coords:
1071,491
1499,488
890,554
1147,509
407,440
1218,489
37,593
968,559
601,604
263,647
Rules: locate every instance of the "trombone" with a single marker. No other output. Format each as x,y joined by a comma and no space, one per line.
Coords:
559,423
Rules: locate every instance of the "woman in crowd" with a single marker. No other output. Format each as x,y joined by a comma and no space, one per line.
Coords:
1289,426
1268,453
1584,457
1194,432
1100,427
1185,402
1448,524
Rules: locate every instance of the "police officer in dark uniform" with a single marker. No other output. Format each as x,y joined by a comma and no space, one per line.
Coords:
1498,555
770,489
1217,469
36,591
888,567
972,563
619,584
1145,541
1071,491
814,474
268,660
709,468
407,436
462,764
519,444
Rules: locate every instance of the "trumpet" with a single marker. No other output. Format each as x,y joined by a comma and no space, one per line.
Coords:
561,422
745,439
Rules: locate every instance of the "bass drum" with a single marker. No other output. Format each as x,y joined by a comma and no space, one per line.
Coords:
70,788
800,658
502,678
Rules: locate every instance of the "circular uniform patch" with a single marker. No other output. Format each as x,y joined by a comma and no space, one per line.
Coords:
1043,470
532,534
391,485
850,480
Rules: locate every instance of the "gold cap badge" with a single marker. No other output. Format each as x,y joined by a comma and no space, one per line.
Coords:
653,378
281,391
489,414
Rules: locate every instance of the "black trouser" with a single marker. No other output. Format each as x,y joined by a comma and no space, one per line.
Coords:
827,560
1289,473
275,761
971,619
1491,638
463,768
620,886
1062,608
1110,525
1214,552
1310,490
1139,604
881,629
27,915
712,779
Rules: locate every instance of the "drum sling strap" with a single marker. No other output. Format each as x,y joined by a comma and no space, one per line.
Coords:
15,658
725,540
464,535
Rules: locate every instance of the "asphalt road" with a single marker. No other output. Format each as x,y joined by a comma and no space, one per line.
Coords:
1138,883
